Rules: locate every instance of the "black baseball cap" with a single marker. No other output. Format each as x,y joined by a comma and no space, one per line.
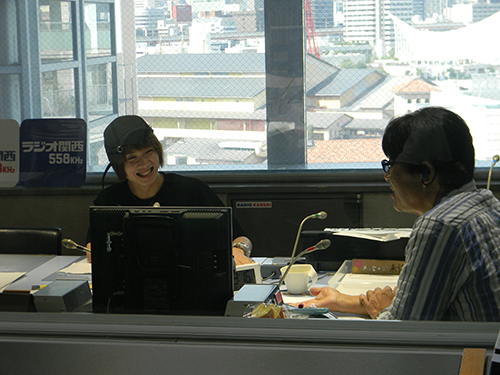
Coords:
124,131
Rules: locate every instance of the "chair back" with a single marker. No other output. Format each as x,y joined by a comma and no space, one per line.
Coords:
30,241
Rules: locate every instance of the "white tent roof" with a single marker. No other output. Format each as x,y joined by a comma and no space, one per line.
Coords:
474,42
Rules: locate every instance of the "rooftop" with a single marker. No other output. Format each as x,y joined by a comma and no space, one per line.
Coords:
415,86
346,151
217,63
201,87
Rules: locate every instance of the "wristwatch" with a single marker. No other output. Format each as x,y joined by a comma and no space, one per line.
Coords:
243,246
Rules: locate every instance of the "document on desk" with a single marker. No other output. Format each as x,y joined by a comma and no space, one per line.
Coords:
359,283
7,278
356,284
375,234
81,267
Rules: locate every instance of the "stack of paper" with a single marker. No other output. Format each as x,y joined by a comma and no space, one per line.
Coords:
376,234
7,278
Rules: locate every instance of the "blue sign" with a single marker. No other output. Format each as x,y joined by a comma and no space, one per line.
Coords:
53,153
9,153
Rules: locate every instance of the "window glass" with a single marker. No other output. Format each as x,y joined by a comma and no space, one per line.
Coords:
200,85
99,91
226,90
97,30
9,42
56,31
202,77
10,97
58,93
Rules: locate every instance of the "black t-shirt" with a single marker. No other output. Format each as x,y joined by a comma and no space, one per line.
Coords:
176,190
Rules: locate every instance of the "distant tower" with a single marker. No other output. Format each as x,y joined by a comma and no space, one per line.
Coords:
312,48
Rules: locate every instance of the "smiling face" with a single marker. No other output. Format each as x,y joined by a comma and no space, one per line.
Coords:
409,193
141,167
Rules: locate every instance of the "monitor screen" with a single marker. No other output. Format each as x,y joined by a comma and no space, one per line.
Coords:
161,260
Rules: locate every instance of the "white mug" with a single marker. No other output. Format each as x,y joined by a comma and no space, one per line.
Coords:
299,278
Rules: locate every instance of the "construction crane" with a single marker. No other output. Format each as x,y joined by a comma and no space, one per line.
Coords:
312,47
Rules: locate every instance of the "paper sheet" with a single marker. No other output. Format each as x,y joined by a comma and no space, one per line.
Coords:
296,298
78,268
7,278
356,284
376,234
360,278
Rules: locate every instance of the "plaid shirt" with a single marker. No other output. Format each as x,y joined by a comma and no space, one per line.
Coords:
452,268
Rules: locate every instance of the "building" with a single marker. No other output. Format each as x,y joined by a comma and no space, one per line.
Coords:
413,95
482,10
182,12
368,21
146,20
322,12
188,96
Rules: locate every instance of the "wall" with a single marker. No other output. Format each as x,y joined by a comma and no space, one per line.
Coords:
68,208
113,344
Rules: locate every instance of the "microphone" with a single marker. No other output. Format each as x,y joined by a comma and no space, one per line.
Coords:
496,158
321,245
72,245
320,215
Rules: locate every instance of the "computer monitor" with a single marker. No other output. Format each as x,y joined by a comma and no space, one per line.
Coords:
161,260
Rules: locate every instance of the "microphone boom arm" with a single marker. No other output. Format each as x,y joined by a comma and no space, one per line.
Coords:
496,158
320,215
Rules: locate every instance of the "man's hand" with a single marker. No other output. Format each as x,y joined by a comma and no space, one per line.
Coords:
89,257
334,301
239,257
377,300
325,297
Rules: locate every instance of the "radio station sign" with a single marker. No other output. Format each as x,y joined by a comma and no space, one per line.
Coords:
9,153
53,153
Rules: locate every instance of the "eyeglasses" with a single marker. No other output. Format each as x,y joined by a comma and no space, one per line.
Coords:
387,164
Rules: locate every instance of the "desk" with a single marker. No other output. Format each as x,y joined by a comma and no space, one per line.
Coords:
347,283
131,344
38,270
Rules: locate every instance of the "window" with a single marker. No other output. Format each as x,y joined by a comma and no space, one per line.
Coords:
97,29
10,71
56,38
309,87
58,93
99,90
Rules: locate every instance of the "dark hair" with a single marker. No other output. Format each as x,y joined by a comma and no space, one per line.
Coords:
149,140
434,135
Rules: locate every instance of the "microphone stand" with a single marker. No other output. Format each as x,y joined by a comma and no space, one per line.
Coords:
265,293
496,158
321,215
321,245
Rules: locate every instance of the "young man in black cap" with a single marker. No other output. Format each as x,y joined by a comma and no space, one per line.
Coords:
136,155
452,260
